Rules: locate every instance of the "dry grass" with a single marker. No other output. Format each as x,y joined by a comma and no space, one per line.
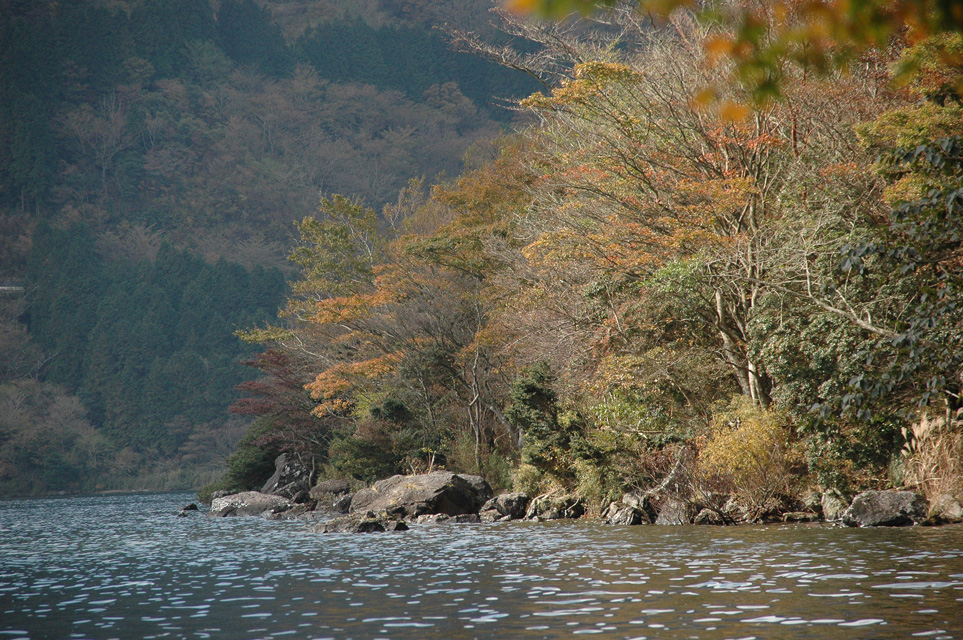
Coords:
933,458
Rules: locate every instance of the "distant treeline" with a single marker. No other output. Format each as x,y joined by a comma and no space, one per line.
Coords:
148,346
55,57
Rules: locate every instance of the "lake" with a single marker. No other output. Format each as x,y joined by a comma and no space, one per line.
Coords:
125,567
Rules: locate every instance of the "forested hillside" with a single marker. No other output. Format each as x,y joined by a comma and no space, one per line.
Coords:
153,156
725,271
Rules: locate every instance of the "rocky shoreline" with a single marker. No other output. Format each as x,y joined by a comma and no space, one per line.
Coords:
445,497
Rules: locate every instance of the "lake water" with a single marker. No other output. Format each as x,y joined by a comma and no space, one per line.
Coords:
126,567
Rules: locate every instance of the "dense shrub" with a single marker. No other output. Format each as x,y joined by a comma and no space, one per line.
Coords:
747,455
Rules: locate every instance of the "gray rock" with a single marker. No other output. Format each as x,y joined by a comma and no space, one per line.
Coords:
886,509
644,504
465,518
948,508
432,518
491,515
296,512
330,488
800,516
833,504
441,518
361,524
508,506
626,516
412,496
342,504
480,486
709,517
674,511
555,507
221,494
249,503
290,478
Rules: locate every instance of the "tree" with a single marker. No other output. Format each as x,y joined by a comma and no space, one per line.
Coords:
764,36
249,37
284,408
639,186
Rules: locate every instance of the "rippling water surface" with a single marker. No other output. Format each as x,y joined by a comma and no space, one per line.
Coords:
125,567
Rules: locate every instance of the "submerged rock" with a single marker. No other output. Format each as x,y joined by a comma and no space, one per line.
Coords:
188,510
368,523
441,518
886,509
800,516
249,503
411,496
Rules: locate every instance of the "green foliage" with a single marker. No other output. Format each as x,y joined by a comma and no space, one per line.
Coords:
337,249
162,29
364,459
554,439
919,356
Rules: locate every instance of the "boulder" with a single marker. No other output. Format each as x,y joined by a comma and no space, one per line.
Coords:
675,511
412,496
948,508
643,503
886,509
432,518
555,507
249,503
367,523
507,506
625,516
480,486
342,504
833,504
290,478
327,489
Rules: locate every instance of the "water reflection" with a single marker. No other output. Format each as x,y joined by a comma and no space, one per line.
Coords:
125,567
